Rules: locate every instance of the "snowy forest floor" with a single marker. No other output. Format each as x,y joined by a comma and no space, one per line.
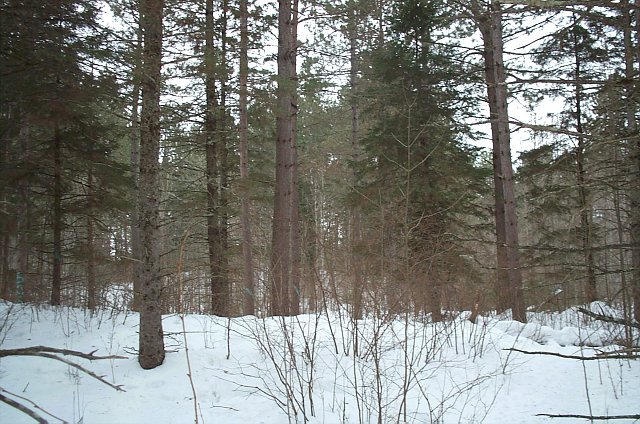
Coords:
279,370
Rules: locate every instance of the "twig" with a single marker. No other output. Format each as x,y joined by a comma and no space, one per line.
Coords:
607,318
592,417
581,358
184,328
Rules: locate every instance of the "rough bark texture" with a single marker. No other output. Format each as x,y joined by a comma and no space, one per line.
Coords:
223,169
151,353
509,276
281,230
248,297
296,242
135,173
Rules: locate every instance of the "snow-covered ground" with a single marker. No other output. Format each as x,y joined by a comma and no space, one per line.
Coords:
273,371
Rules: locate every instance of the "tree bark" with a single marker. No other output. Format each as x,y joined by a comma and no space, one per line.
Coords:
135,173
218,304
248,297
509,276
296,246
635,169
151,352
356,224
591,290
91,266
5,219
281,228
225,284
24,224
56,279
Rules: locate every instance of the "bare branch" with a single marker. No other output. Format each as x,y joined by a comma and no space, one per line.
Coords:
581,358
592,417
30,351
33,414
607,318
35,405
48,352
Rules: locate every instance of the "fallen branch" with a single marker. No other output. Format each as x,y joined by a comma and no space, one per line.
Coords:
581,358
48,352
607,318
620,352
30,351
592,417
24,408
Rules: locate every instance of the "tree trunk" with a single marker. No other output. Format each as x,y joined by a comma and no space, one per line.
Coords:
281,229
248,297
91,266
23,224
224,284
635,167
151,353
56,279
296,247
218,304
356,224
135,173
509,277
5,219
591,291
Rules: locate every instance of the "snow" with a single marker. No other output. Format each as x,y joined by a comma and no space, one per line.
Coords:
243,368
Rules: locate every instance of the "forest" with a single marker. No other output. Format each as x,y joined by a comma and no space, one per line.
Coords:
431,162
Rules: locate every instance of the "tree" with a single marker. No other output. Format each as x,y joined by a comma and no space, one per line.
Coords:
509,276
416,165
282,209
151,353
248,294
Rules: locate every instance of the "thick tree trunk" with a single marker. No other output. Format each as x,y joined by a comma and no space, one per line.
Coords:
509,276
151,353
281,229
296,246
248,297
224,283
135,173
56,279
